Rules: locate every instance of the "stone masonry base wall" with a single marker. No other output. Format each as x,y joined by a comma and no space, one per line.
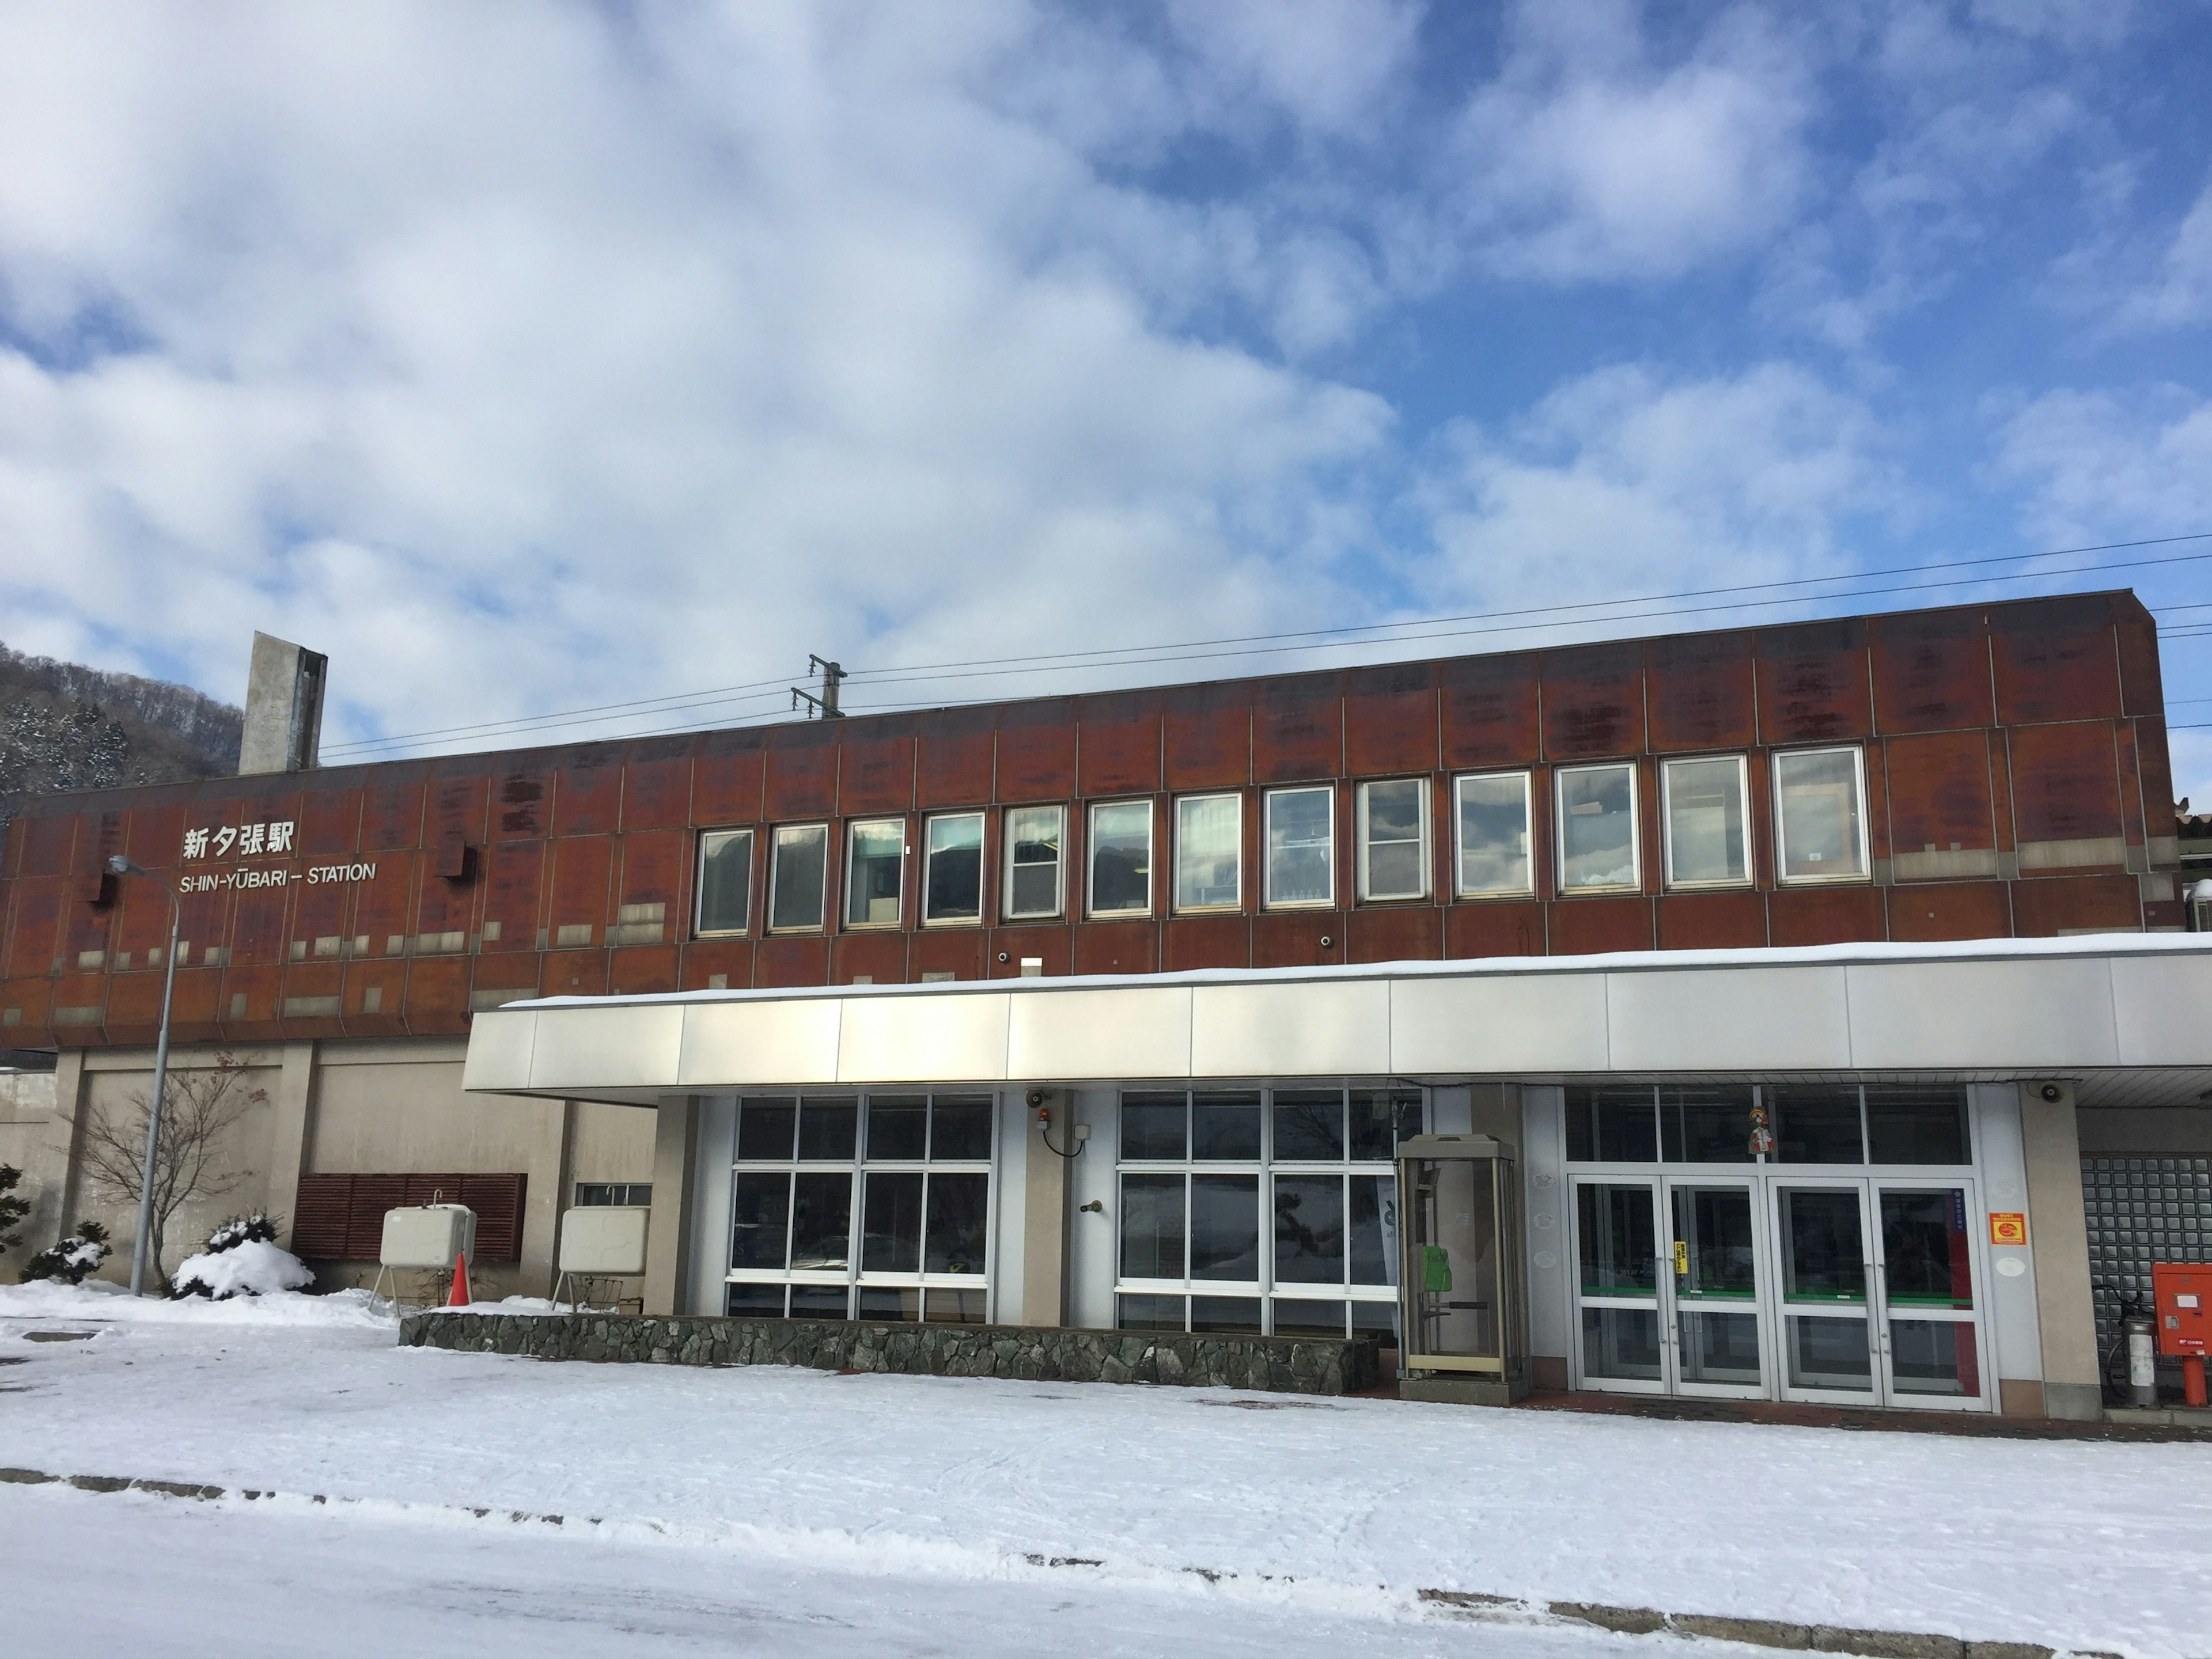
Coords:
1276,1363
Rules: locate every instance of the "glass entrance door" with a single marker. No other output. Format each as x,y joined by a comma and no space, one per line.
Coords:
1620,1332
1825,1262
1931,1351
1713,1312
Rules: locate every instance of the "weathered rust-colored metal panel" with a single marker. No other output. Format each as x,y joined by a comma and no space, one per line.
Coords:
1207,736
728,773
443,906
248,1002
383,906
155,833
567,974
134,1008
1700,692
2132,791
310,983
32,1002
2065,781
1412,932
1495,928
34,924
321,921
47,838
802,959
875,768
2142,689
513,908
1713,921
1037,752
880,957
1298,728
195,1006
392,814
1825,916
1938,791
580,888
1293,939
2055,659
140,920
802,771
958,749
587,791
257,933
2153,768
521,803
1931,671
641,970
2072,904
707,959
1052,944
1945,910
1487,712
1192,942
1390,720
1118,743
955,951
657,783
1117,947
1581,926
329,821
387,978
1593,703
436,999
655,871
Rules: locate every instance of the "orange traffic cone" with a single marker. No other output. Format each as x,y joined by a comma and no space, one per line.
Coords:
461,1297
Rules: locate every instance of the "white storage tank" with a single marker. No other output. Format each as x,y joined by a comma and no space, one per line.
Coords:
605,1241
428,1236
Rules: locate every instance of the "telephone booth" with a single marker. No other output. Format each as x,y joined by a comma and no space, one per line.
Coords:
1462,1307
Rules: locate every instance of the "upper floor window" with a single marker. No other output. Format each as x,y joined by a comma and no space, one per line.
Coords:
1597,828
1034,834
1394,839
1209,852
1301,867
1820,814
725,881
873,870
796,872
1122,859
1705,804
1493,828
952,873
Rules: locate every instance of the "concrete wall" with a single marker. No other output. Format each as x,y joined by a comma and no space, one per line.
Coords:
27,1110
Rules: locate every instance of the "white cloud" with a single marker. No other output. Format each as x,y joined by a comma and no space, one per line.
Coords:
2181,292
2101,466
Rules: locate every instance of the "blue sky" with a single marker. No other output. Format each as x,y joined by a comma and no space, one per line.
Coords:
532,358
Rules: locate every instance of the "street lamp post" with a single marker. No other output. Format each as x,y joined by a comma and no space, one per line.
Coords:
139,1250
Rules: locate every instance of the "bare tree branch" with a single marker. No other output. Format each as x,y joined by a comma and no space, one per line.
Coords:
199,1111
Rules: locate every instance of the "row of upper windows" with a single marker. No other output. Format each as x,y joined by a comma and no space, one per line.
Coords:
1704,809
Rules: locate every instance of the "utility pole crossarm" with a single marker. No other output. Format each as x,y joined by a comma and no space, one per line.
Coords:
823,707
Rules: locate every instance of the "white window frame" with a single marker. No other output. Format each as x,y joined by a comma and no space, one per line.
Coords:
1459,888
1268,899
707,839
1367,893
774,865
982,874
1865,872
1635,883
852,872
1007,912
1091,857
1666,819
1175,874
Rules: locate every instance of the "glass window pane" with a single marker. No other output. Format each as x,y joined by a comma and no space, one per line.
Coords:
941,1307
1033,839
960,1129
1308,1125
1380,1118
1828,1353
801,867
1824,1256
889,1303
1300,862
1225,1126
1614,1124
1494,833
765,1129
1378,1320
1621,1344
1927,1252
1597,827
1208,833
1152,1128
952,884
1122,859
1149,1313
960,1212
1932,1356
1152,1227
754,1302
826,1129
1917,1125
1619,1243
1225,1227
1226,1316
1705,1125
1295,1316
898,1127
1374,1229
821,1222
818,1301
1817,795
760,1218
1719,1347
871,881
1309,1230
725,881
1704,821
1393,838
891,1224
1815,1125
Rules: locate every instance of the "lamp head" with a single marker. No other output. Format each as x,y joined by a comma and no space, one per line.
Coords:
123,866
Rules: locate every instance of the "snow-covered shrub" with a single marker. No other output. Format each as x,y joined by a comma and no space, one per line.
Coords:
255,1229
72,1259
250,1267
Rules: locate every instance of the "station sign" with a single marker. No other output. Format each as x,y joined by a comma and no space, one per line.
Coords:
272,838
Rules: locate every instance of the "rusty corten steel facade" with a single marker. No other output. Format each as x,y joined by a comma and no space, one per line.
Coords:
2008,730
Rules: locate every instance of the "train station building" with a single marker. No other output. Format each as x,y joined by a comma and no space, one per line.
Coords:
1827,989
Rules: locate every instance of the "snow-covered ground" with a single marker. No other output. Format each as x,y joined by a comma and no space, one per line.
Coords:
720,1485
